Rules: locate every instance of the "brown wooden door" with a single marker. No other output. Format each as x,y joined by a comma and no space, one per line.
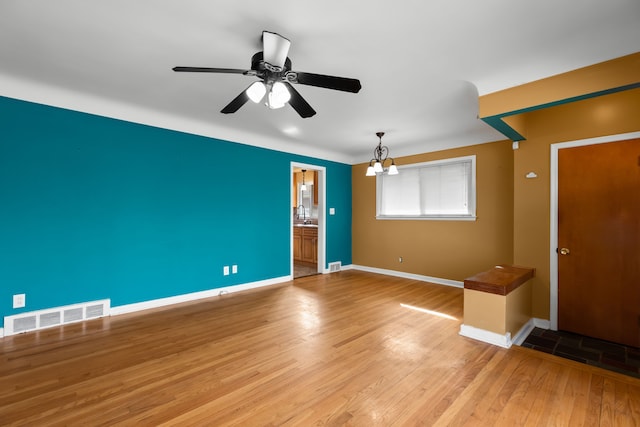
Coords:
599,226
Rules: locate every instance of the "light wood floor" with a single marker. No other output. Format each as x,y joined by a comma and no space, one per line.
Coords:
349,348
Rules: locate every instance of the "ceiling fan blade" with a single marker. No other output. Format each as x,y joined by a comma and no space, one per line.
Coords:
211,70
298,103
237,102
328,82
275,48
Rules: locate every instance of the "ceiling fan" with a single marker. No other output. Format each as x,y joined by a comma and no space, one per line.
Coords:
273,68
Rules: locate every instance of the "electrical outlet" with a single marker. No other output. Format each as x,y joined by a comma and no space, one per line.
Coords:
400,259
225,270
19,300
234,269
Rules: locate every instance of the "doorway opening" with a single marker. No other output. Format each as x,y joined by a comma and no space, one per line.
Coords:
307,219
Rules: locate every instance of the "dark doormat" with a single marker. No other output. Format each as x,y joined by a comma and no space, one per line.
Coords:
604,354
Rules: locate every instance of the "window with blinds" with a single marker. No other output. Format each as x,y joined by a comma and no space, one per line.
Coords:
442,189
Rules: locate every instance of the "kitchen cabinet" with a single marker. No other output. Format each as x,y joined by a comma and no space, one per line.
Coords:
305,244
310,245
315,188
297,243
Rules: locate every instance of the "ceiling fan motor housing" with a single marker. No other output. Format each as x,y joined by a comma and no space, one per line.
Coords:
264,69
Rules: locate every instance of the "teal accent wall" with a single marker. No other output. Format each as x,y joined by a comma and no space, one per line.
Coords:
93,208
339,225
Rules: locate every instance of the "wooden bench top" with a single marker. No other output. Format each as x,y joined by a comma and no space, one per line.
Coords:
500,280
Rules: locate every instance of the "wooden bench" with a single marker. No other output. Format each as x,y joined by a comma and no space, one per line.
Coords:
500,280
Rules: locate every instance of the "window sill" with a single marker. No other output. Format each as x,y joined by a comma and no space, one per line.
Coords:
429,217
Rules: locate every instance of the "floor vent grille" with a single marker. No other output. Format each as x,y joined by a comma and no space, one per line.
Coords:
31,321
73,314
335,266
21,324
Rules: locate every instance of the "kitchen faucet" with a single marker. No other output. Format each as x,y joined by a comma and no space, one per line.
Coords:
304,213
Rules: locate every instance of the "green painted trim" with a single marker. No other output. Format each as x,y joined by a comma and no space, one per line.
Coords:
498,123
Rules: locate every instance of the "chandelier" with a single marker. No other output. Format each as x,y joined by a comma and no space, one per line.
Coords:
380,156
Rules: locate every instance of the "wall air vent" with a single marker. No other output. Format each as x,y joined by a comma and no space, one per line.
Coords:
335,266
34,320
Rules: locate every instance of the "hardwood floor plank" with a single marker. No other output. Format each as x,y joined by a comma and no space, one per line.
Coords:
552,379
577,386
467,408
348,348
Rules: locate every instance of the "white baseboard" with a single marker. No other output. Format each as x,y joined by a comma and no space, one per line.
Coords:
1,332
161,302
524,332
541,323
486,336
436,280
342,268
505,340
55,316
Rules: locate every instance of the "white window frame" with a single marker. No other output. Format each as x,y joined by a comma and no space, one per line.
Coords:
471,192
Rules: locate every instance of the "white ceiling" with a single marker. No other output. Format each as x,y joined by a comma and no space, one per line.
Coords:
421,63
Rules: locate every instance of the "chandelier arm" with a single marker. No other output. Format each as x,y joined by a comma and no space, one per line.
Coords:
381,153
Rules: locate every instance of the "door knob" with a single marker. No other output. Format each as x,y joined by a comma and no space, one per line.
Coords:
564,251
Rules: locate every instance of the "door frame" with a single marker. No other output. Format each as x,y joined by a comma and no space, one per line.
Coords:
322,181
553,256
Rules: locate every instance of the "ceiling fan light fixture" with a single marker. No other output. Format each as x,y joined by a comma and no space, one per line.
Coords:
303,187
256,91
278,95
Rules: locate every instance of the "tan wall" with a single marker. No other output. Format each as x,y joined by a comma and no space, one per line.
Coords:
445,249
513,223
605,115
